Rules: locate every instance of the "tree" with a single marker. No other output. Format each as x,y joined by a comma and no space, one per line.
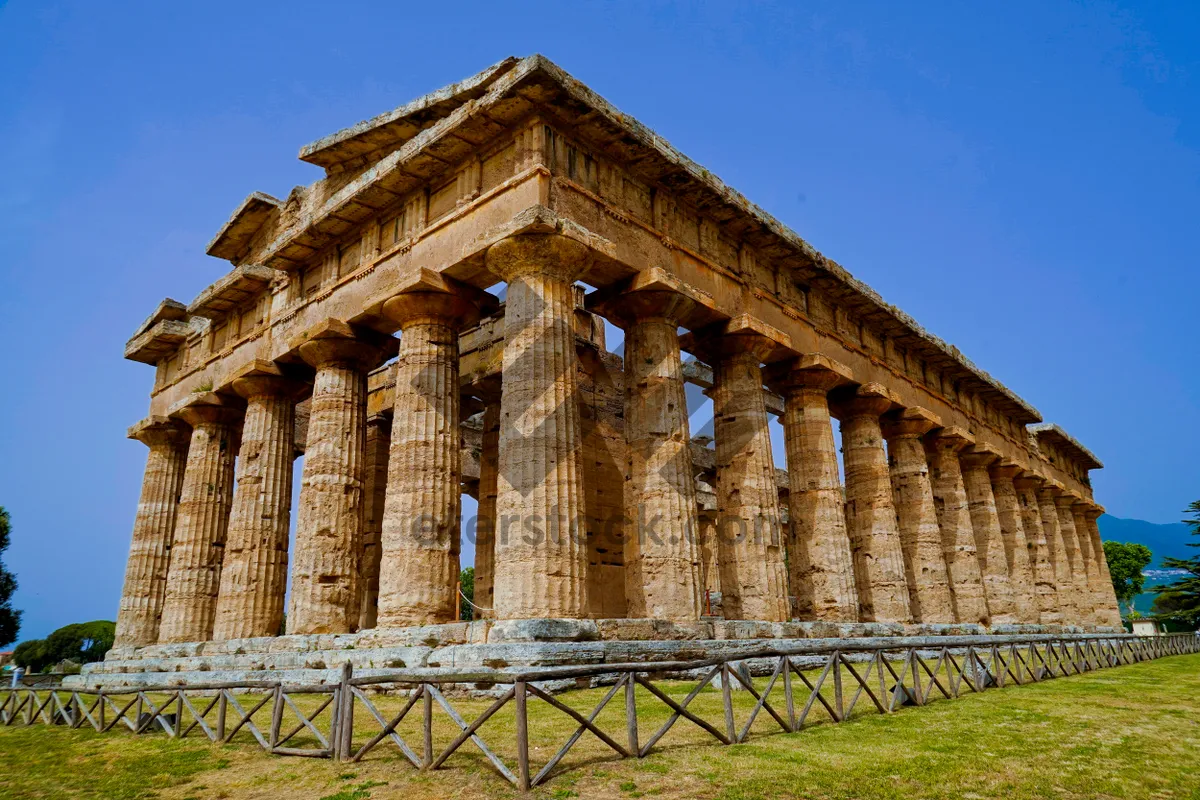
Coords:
81,642
30,654
466,580
1181,600
10,618
1126,560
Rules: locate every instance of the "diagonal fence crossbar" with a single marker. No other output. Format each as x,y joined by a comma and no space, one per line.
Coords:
902,672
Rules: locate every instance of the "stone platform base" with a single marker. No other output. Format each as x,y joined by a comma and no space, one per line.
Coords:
504,646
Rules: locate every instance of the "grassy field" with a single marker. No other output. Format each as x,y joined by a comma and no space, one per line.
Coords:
1131,732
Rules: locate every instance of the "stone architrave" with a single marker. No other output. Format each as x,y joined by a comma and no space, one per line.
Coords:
329,528
1091,564
1076,570
879,572
379,439
419,564
1016,548
485,526
1040,557
749,529
662,553
541,543
916,512
254,570
820,563
1064,588
198,548
153,528
989,541
942,447
1110,611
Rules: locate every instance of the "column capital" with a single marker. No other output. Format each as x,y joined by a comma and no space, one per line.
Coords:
1050,490
429,297
1093,511
743,335
550,254
867,400
980,454
909,423
951,438
336,342
155,430
1027,479
209,408
1067,499
261,378
653,294
811,372
1007,470
1080,505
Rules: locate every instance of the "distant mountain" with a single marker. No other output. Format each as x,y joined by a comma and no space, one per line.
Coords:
1163,540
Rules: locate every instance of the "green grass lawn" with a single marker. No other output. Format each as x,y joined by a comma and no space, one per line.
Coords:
1133,732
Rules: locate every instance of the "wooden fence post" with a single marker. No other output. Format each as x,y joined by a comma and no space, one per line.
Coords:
346,717
631,721
522,737
427,725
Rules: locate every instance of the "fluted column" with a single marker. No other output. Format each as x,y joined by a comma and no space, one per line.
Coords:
1110,611
989,542
954,517
1040,557
254,570
920,535
1094,613
870,509
749,533
485,527
198,548
820,565
1076,570
329,528
379,439
420,567
1016,548
662,554
153,528
541,542
710,569
1064,588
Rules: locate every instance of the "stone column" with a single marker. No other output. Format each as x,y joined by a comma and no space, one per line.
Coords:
1040,557
1110,611
1076,570
485,527
989,543
1094,613
710,570
198,548
821,567
1016,548
325,593
749,532
419,568
1063,586
254,570
153,528
870,508
958,536
541,541
920,535
379,440
662,554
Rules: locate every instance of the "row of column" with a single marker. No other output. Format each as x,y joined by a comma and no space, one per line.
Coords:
938,533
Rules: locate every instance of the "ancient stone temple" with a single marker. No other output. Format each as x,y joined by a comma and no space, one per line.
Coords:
426,319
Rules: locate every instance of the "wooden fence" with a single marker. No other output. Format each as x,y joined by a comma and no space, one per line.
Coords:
910,671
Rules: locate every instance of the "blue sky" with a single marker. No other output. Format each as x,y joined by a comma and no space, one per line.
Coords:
1021,178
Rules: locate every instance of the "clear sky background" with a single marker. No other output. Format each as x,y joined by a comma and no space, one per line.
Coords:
1023,179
